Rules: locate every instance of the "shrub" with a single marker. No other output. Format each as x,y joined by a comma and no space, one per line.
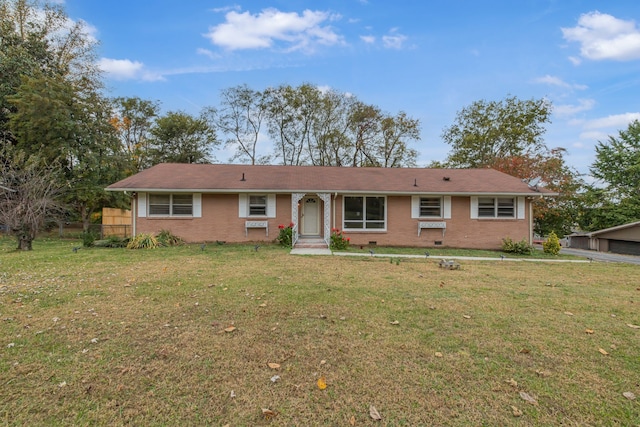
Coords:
285,238
143,241
88,237
519,248
338,241
111,242
166,238
552,244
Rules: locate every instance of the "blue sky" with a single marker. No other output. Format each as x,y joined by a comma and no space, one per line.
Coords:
429,58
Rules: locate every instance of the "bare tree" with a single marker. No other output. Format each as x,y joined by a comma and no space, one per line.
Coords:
29,195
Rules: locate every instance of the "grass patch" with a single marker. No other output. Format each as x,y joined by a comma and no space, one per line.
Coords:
116,336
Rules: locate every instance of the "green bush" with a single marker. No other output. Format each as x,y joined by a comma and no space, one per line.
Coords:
166,238
285,237
143,241
338,241
519,248
552,244
111,242
88,237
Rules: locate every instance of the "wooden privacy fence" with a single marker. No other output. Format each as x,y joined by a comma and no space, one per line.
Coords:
116,222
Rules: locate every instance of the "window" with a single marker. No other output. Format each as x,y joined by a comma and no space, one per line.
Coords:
171,204
496,207
364,213
431,207
257,205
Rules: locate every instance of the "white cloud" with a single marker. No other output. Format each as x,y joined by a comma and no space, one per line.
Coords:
207,52
602,36
271,26
594,136
570,110
368,39
394,40
618,121
125,69
557,81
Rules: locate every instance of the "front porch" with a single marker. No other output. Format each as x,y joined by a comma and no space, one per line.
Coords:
311,246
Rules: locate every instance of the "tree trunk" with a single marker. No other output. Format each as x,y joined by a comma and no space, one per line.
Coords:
25,242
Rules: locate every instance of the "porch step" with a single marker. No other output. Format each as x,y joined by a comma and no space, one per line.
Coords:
313,243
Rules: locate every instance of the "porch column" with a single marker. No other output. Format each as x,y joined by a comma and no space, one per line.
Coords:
326,198
295,198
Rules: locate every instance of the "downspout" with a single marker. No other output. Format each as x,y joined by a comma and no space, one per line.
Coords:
531,221
134,212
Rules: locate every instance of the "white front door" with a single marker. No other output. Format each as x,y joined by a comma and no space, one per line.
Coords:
310,222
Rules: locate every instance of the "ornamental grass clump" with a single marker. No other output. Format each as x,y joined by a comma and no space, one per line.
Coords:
338,240
143,241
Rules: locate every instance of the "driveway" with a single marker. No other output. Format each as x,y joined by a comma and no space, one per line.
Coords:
602,256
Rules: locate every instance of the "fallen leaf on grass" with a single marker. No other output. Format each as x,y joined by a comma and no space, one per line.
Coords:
233,394
568,313
230,329
516,412
395,322
629,395
275,378
322,383
527,398
373,413
512,382
603,351
588,331
438,354
466,316
633,326
525,351
268,413
352,420
273,365
262,305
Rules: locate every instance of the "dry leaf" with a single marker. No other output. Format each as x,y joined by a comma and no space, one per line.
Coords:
233,394
516,412
633,326
527,398
323,362
525,351
273,365
395,322
603,351
275,378
438,354
629,395
262,305
230,329
512,382
373,413
322,383
568,313
268,413
352,420
588,331
466,316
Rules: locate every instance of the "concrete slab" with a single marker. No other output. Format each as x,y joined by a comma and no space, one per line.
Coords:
311,251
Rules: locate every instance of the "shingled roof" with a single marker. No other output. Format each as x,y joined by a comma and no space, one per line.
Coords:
219,178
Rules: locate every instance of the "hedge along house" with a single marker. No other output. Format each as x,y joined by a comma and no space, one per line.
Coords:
461,208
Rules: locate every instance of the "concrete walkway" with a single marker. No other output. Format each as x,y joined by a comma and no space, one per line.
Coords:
589,256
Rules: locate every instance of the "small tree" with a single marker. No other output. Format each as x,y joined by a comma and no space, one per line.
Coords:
29,195
552,244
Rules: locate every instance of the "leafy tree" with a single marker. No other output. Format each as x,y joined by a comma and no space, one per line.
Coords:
490,130
392,150
615,198
178,137
132,120
30,194
38,39
240,118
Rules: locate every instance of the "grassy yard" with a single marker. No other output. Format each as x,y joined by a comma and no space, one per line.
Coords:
184,336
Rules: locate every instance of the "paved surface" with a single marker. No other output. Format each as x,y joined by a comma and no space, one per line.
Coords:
589,256
602,256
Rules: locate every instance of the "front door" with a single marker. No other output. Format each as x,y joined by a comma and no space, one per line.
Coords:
310,221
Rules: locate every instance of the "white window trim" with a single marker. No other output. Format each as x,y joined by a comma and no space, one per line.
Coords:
445,206
518,208
243,206
365,230
196,206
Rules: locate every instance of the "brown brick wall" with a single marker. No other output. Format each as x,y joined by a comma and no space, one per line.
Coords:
220,221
